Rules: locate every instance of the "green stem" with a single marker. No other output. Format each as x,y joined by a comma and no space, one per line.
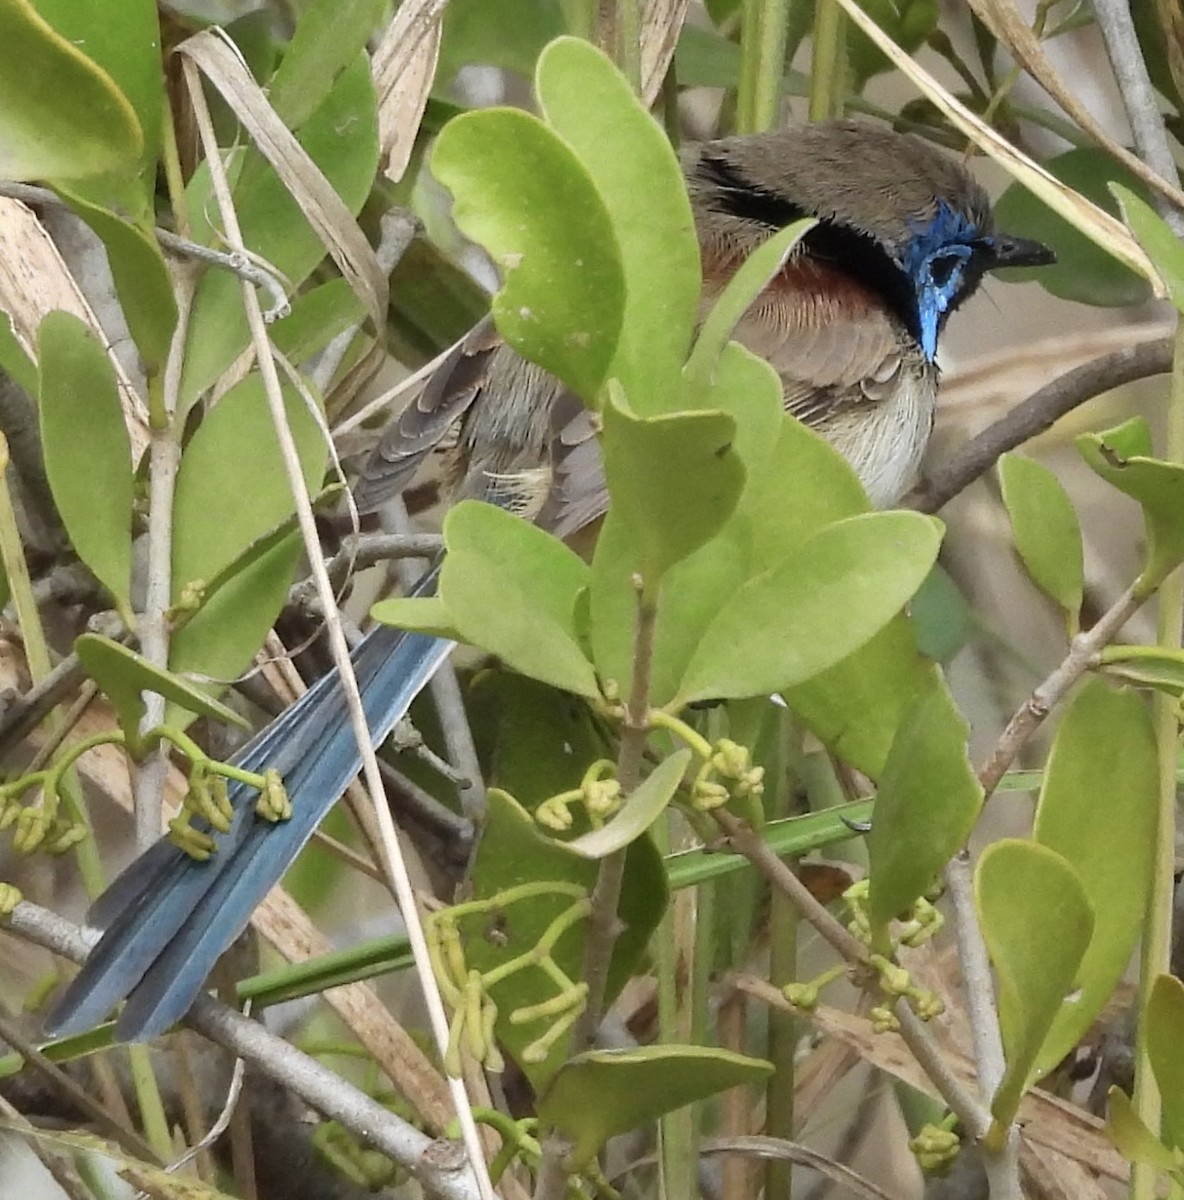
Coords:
829,66
762,64
783,968
604,925
1154,954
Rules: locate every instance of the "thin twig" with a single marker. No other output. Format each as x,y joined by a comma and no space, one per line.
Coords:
236,262
978,986
61,1083
164,457
1039,412
603,925
438,1165
392,851
1030,715
1117,28
26,711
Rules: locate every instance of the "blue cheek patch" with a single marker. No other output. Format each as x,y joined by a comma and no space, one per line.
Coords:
948,234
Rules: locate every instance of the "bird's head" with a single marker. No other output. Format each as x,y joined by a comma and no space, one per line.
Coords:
896,215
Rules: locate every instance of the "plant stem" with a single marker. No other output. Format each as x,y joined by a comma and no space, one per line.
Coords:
829,64
1054,688
762,64
603,925
783,963
1155,946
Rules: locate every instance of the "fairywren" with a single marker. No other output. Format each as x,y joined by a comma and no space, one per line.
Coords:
851,325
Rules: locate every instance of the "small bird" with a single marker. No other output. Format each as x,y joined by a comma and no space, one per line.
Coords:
851,324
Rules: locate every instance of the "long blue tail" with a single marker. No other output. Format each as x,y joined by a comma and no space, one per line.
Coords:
168,918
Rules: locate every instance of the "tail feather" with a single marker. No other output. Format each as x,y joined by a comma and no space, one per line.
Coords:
168,917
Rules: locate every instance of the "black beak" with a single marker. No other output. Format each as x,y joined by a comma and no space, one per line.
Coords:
1006,251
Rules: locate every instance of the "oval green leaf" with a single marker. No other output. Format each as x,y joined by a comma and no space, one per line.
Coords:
1145,666
512,589
1083,271
926,805
602,1093
231,485
1122,457
642,807
1037,923
123,675
1046,532
87,450
1132,1139
61,116
588,102
1098,810
1165,1036
1154,235
675,479
522,193
826,599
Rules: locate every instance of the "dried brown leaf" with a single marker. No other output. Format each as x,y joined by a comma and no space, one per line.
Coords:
221,63
661,23
403,67
1008,26
34,281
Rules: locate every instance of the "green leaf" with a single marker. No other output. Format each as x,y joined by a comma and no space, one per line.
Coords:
511,589
15,359
1165,1035
825,489
602,1093
926,805
754,275
941,618
123,675
329,36
61,116
218,642
907,22
509,34
1132,1139
1098,811
87,450
231,485
1145,666
427,614
1046,532
855,707
341,137
317,317
642,807
514,851
1083,271
142,279
675,479
693,589
1153,234
588,102
1122,457
124,41
522,193
822,603
1037,923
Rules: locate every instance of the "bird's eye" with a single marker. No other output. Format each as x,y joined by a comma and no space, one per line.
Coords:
942,268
